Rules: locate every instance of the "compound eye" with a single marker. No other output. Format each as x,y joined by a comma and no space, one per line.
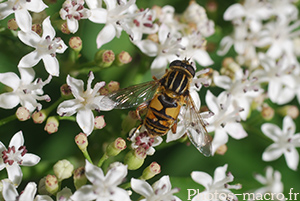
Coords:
191,69
176,63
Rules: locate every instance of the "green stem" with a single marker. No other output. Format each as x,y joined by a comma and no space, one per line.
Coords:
126,185
53,106
8,119
87,156
70,118
102,159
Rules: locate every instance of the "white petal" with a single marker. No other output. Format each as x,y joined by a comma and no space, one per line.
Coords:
64,193
68,107
17,140
274,90
148,47
235,130
93,173
36,5
29,192
107,33
212,102
116,175
30,159
30,38
220,173
51,64
43,198
158,66
98,15
272,131
120,194
14,173
234,11
5,9
29,60
27,75
23,19
9,191
223,81
84,193
76,86
202,58
72,25
275,51
85,120
286,95
94,4
272,152
163,33
9,100
10,79
163,184
202,178
220,138
288,125
48,30
225,45
292,158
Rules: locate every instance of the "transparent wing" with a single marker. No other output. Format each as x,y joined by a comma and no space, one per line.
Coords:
130,96
196,129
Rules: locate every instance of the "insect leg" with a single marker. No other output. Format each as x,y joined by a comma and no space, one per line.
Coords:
137,128
140,109
174,127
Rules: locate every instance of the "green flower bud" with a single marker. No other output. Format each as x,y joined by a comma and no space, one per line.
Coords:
99,122
134,159
75,43
51,125
150,171
81,141
115,147
104,58
39,117
63,169
12,24
79,177
123,58
23,114
51,184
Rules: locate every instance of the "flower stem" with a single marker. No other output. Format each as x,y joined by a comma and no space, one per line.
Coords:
126,185
87,156
8,119
53,106
102,159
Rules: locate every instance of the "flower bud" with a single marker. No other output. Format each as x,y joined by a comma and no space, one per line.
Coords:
63,169
81,141
229,67
267,112
289,110
75,43
65,91
123,58
134,159
79,177
51,184
115,147
39,117
23,114
51,125
150,171
113,86
104,58
222,149
129,121
64,28
99,122
12,24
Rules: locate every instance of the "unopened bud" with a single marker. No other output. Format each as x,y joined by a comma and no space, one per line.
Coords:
75,43
129,121
103,90
51,184
52,124
113,86
123,58
289,110
229,67
64,28
99,122
222,149
104,58
65,91
267,112
37,28
63,169
134,159
116,147
12,24
23,114
81,141
150,171
39,117
79,177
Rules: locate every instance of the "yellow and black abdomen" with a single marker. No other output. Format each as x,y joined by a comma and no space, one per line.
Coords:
162,112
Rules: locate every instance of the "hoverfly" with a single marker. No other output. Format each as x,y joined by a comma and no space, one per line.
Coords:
163,99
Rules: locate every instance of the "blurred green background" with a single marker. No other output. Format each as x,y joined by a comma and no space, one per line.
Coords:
244,157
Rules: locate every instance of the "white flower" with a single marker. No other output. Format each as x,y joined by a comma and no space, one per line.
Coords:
241,88
160,190
142,139
21,9
73,11
284,10
271,183
114,17
14,156
225,121
102,187
278,74
217,186
25,91
46,48
167,49
63,195
10,193
84,102
285,142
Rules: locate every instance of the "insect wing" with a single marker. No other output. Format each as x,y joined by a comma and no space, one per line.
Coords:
196,129
130,96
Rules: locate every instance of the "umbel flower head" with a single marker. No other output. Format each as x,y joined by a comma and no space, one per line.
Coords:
84,102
